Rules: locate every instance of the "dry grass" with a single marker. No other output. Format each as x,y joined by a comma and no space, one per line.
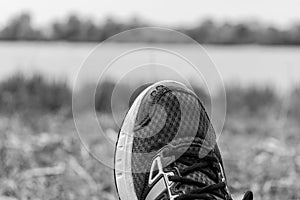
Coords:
50,163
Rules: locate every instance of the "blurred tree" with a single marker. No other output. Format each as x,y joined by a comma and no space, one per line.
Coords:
243,34
91,32
75,28
110,28
20,28
204,33
70,30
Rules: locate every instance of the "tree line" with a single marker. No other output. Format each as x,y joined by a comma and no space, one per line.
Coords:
74,28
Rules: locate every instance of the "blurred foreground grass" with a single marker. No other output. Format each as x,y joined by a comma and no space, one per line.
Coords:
42,157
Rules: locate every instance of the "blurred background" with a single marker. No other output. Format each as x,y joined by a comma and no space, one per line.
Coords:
254,44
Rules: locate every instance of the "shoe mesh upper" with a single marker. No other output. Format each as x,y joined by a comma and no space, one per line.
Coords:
168,114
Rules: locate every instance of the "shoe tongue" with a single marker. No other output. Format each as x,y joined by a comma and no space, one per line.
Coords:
196,176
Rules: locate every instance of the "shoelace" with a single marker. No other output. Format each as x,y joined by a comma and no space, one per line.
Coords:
203,190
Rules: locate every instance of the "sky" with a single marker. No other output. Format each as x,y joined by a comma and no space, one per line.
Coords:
158,12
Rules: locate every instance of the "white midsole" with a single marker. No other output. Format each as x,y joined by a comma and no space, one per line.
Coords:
123,174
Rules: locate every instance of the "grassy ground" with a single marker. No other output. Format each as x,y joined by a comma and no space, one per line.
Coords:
262,157
49,163
42,158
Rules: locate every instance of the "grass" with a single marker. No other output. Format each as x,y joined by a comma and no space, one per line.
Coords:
49,165
42,157
263,157
53,164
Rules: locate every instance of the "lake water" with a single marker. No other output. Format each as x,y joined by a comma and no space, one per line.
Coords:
260,65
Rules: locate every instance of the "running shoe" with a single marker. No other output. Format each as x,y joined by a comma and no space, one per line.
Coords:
166,148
